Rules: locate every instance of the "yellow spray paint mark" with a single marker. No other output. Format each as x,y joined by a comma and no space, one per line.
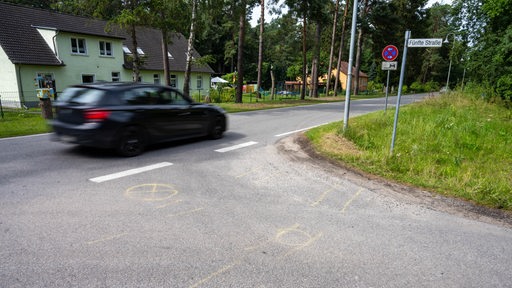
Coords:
296,238
215,274
151,192
350,200
322,197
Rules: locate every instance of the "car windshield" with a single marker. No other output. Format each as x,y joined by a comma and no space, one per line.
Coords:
80,95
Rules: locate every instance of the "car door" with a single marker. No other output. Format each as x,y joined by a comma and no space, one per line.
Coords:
181,120
143,105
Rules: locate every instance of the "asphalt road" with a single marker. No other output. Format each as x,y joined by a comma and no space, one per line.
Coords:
248,210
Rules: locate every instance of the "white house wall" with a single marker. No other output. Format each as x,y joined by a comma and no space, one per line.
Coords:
48,36
9,92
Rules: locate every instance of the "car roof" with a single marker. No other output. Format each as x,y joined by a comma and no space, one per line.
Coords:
117,85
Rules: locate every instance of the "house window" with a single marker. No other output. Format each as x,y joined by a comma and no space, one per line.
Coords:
140,51
105,48
127,50
156,78
199,82
87,78
174,81
170,55
116,76
78,46
44,79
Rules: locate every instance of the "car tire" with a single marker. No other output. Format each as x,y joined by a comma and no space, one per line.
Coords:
217,129
131,142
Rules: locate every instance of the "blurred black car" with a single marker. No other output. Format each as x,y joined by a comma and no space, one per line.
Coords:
130,116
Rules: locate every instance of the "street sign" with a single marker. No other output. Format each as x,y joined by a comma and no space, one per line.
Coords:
390,53
389,65
432,42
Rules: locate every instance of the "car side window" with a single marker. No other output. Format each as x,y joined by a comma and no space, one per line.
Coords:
171,97
141,96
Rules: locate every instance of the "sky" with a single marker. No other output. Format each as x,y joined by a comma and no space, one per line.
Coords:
256,11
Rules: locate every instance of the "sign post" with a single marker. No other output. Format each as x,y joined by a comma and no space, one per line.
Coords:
390,53
400,85
433,42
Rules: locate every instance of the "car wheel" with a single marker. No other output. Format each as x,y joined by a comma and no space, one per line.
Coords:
217,129
131,142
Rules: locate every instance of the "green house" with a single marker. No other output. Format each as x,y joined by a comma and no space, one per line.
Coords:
40,48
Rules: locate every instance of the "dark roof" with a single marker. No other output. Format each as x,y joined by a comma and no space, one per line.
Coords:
149,40
23,44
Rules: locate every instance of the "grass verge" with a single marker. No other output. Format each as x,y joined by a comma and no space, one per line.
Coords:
452,144
21,123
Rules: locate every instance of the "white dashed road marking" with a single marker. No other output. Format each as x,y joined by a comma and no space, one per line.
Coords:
129,172
243,145
300,130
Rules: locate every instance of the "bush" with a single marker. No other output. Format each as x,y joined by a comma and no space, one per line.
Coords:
417,87
431,86
375,86
504,87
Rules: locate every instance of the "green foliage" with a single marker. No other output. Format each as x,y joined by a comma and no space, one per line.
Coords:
375,86
431,86
417,87
222,95
504,87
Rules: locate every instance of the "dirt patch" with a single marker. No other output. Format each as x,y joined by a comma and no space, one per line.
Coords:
299,148
333,143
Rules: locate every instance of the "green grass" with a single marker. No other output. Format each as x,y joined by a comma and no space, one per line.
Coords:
455,145
22,122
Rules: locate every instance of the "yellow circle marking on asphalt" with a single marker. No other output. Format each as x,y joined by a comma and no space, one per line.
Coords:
151,192
293,236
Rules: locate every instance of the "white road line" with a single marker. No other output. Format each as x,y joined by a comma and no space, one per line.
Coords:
129,172
243,145
300,130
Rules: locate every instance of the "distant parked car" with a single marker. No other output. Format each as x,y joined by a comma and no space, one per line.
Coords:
130,116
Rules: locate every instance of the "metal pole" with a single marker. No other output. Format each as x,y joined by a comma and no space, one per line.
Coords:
387,89
449,55
402,73
448,78
349,68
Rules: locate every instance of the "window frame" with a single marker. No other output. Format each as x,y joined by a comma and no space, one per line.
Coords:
106,49
93,76
199,82
116,78
77,45
173,81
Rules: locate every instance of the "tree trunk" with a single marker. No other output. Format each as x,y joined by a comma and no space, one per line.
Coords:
358,61
359,50
136,57
316,57
260,49
165,57
333,43
304,58
342,46
46,108
188,68
240,56
273,83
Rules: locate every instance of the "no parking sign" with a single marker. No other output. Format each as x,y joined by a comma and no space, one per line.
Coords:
390,53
